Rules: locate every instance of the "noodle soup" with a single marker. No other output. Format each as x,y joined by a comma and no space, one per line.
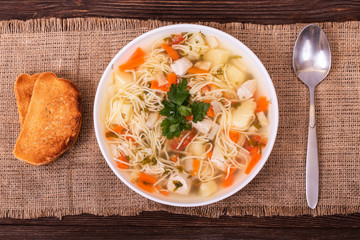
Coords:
185,117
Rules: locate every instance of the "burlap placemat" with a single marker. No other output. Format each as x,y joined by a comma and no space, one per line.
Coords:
81,182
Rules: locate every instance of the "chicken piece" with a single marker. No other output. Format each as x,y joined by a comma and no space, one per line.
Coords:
262,119
205,65
179,183
213,131
158,168
216,106
181,66
152,119
203,126
160,77
247,90
218,159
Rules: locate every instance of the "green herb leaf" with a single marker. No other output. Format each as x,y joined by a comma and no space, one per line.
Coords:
253,143
185,111
177,184
145,161
219,71
177,108
173,126
199,110
179,94
167,39
111,135
180,169
169,109
257,124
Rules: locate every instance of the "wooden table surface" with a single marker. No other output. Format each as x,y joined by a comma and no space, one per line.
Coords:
155,225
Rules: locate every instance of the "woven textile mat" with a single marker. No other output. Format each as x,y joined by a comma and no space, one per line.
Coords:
81,182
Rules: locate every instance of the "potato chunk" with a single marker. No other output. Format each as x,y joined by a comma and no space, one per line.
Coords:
235,75
208,188
217,56
121,78
127,110
243,115
213,43
197,148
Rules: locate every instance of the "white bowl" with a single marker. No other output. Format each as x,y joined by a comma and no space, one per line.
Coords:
237,47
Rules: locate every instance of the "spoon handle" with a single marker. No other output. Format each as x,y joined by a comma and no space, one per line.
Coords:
312,162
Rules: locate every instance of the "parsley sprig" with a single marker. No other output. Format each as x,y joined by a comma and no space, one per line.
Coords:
177,107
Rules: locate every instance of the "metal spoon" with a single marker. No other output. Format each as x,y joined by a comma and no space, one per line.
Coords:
311,63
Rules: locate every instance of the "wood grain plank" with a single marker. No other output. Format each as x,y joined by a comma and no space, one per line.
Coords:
128,232
253,11
158,219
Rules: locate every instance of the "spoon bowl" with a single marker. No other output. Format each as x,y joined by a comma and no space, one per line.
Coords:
311,63
312,57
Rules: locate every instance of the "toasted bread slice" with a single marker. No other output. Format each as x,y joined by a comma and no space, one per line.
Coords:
52,122
24,86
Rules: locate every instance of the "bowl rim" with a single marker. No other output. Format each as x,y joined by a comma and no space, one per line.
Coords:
259,65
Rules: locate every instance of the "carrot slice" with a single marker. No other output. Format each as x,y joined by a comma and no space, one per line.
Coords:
172,52
196,166
130,138
122,165
118,129
155,85
262,104
212,86
132,64
256,138
162,191
264,140
189,118
253,161
147,178
171,79
230,179
145,187
194,70
254,150
210,112
137,54
175,158
177,39
205,89
187,140
234,136
209,154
